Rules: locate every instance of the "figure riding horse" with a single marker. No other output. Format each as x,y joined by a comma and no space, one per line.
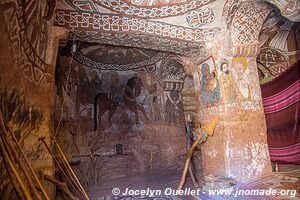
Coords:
133,89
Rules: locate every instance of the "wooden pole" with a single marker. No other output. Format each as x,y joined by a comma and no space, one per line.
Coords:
12,171
188,140
62,186
12,154
69,167
187,162
203,133
58,165
14,176
30,168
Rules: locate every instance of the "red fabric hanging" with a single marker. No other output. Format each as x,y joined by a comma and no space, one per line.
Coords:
281,99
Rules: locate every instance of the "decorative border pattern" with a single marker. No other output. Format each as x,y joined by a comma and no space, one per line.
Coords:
29,45
141,41
289,8
89,21
82,59
248,21
123,7
274,60
198,18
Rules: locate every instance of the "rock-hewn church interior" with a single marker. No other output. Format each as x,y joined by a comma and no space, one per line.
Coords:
149,99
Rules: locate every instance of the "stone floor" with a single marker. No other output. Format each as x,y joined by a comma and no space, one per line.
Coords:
155,180
288,178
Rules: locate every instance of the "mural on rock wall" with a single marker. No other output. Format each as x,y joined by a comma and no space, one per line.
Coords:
126,23
138,107
207,83
174,108
228,86
18,114
200,17
230,81
288,8
280,46
247,20
26,23
172,75
120,95
141,8
23,119
240,74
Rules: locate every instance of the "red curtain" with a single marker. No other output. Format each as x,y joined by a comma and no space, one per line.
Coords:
281,99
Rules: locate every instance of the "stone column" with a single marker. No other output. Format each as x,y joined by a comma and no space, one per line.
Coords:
227,85
238,149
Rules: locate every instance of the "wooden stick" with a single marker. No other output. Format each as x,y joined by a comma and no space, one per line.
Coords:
187,162
30,168
13,154
18,184
66,161
12,171
62,186
92,158
188,140
70,175
193,177
58,165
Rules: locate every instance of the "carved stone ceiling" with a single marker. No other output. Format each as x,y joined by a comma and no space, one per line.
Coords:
117,55
107,57
279,50
184,27
181,26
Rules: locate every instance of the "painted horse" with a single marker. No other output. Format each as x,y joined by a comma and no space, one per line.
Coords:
133,89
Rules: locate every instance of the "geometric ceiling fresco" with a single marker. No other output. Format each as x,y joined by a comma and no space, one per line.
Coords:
183,27
107,57
290,9
180,27
141,8
280,45
117,55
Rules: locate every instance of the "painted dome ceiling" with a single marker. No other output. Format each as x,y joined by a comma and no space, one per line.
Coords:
157,2
280,46
109,54
184,27
108,57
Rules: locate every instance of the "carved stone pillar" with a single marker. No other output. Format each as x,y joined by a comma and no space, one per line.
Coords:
227,85
238,148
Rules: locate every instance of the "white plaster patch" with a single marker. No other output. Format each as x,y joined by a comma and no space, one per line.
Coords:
228,154
259,154
212,152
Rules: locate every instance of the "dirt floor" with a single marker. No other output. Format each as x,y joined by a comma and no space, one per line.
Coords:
288,178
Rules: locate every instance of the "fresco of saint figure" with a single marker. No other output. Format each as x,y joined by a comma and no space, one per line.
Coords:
227,84
83,83
240,75
174,108
209,86
116,88
95,85
156,108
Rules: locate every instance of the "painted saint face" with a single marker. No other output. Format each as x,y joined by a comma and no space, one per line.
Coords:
174,95
224,68
205,69
239,68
